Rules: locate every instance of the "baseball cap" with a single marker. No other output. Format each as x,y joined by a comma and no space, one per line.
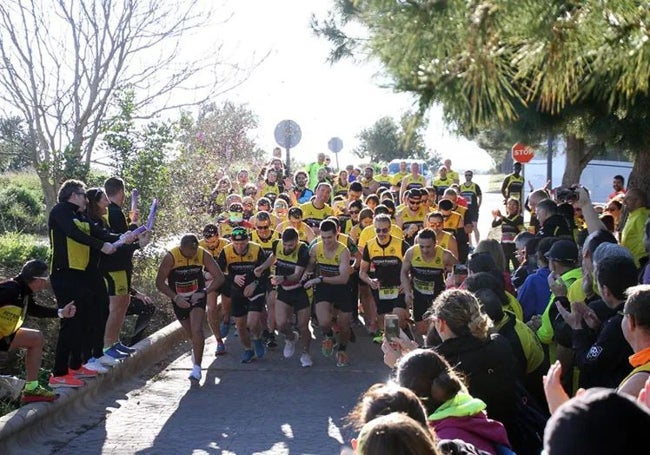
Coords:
445,204
239,233
563,251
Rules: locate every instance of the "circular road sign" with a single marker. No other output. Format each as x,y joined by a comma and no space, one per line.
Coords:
287,134
522,153
335,144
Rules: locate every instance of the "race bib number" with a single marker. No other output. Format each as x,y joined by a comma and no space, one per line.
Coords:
186,288
388,293
424,287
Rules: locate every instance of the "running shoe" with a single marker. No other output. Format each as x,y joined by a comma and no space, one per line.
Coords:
247,356
93,364
290,346
108,361
305,360
39,394
195,374
116,353
221,348
82,372
327,347
378,337
127,350
258,346
224,328
65,381
270,342
342,359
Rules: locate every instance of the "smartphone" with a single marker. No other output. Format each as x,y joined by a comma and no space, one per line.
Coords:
391,326
460,269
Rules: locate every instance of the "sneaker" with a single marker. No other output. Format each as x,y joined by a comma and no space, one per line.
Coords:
247,356
305,360
290,346
258,346
327,347
11,386
39,394
342,359
224,329
271,343
108,361
221,348
94,365
127,350
82,372
65,381
195,374
378,337
116,353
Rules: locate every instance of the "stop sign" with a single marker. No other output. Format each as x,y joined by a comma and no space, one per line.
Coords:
522,153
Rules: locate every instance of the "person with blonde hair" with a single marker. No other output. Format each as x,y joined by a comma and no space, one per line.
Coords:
460,332
395,434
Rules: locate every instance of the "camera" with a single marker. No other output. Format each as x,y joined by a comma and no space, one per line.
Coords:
567,194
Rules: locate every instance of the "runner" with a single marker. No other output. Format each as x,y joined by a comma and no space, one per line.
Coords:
331,260
318,209
180,277
422,275
241,260
411,218
212,243
436,221
472,192
382,258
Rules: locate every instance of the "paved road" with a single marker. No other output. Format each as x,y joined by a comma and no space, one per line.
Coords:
271,406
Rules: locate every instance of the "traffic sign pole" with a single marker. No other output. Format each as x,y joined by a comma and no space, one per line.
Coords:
335,145
287,134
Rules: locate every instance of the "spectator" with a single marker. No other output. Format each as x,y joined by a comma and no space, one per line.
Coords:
618,184
395,434
526,255
513,184
534,294
453,412
552,223
312,170
632,235
511,225
636,330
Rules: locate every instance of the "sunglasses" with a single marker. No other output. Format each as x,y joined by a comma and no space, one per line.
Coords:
354,212
262,228
382,230
415,202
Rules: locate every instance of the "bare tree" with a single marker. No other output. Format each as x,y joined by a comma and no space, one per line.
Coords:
63,60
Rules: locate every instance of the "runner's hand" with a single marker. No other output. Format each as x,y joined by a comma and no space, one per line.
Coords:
197,297
181,302
248,290
69,310
108,248
240,280
374,283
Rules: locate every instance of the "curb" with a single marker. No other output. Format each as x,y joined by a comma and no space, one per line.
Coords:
34,416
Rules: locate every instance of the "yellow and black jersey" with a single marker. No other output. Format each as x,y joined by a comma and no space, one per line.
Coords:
441,185
385,181
302,230
186,275
443,238
226,227
367,184
340,190
270,191
513,186
328,266
397,178
266,244
16,301
453,222
428,276
214,245
409,219
386,261
471,193
233,263
70,239
313,216
369,232
286,263
415,182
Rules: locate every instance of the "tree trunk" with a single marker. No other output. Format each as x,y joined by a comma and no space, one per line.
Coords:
640,177
50,190
578,156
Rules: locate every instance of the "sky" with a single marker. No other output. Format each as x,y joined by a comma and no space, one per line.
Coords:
296,82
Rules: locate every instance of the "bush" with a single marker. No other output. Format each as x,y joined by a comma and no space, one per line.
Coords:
22,205
17,248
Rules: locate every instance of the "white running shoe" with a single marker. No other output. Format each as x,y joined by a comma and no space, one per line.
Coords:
108,361
196,373
305,360
290,345
94,364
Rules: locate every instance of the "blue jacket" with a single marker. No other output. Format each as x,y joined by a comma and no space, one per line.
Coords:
535,293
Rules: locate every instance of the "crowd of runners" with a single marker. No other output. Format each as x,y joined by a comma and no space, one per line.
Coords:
316,254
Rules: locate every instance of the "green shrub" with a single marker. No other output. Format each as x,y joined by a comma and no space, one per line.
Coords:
21,205
16,248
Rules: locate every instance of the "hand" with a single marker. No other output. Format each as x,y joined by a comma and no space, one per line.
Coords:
277,279
128,237
208,276
374,283
555,394
535,322
257,271
557,285
69,310
644,395
572,318
311,283
181,302
144,239
239,280
496,214
396,348
197,297
145,298
249,289
108,248
588,315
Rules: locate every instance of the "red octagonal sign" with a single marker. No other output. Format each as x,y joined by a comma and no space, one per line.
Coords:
522,153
